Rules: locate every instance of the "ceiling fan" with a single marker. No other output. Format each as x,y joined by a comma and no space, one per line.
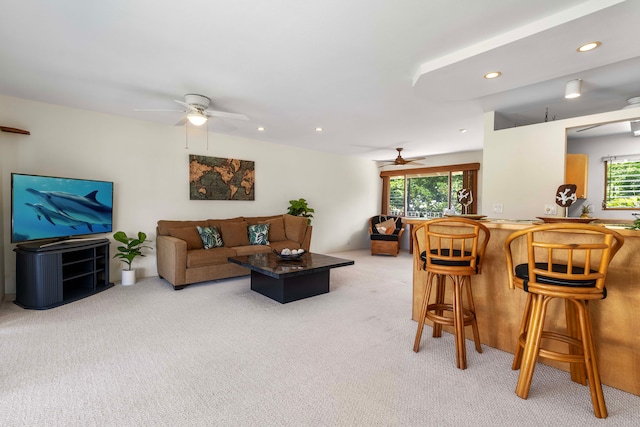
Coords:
400,161
633,102
196,108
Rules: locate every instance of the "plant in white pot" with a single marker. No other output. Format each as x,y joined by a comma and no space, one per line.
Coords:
132,248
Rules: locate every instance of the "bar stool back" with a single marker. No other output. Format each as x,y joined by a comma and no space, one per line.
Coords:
450,248
568,262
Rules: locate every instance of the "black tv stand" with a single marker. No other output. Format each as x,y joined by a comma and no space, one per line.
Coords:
69,241
48,276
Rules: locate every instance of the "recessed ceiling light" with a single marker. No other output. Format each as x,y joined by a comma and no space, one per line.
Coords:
319,129
492,75
588,46
261,129
463,131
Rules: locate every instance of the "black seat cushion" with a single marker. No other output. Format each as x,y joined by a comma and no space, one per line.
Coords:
452,263
386,237
522,272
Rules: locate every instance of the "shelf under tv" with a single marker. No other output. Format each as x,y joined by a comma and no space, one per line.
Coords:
51,276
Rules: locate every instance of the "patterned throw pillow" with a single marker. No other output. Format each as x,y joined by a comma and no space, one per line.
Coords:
259,234
211,237
386,227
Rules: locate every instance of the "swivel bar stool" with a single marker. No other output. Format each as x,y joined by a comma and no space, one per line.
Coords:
568,262
450,248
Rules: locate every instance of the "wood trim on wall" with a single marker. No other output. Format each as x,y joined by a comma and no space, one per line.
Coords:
469,180
384,209
416,171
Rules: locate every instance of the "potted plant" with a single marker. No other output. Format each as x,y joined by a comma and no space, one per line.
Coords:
636,222
586,209
300,208
132,248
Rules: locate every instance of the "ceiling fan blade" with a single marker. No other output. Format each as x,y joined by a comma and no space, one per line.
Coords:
590,127
157,110
225,115
181,122
187,106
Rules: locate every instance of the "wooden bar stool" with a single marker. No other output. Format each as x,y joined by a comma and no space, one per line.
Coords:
450,248
569,262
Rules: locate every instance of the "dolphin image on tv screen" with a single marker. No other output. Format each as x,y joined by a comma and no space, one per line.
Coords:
83,209
56,218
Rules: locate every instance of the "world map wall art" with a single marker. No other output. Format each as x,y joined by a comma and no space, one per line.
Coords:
216,178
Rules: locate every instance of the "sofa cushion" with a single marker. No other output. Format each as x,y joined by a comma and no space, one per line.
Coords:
260,219
189,235
252,249
210,237
215,256
234,233
164,225
386,227
258,234
218,222
295,227
276,229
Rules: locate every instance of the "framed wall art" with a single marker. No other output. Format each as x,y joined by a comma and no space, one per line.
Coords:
216,178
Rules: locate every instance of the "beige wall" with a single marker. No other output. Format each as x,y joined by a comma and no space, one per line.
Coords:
148,164
522,167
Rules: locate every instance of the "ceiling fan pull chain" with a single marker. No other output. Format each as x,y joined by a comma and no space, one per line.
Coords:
186,136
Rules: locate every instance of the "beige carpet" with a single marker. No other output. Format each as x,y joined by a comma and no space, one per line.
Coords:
218,354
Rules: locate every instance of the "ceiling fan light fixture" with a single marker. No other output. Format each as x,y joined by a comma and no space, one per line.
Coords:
572,89
196,118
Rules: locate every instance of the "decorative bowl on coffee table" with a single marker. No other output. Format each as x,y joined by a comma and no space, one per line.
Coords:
292,257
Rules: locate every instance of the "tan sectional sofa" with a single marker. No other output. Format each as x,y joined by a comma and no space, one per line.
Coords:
182,259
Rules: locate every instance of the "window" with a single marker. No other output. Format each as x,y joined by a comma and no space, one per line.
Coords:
622,182
426,192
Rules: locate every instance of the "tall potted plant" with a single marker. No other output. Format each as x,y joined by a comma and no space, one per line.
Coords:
131,248
300,208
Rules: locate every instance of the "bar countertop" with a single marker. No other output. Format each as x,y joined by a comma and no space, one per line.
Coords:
616,319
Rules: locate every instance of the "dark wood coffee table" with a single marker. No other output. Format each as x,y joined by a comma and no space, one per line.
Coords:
286,281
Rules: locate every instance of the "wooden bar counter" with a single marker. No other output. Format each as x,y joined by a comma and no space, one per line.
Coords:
616,319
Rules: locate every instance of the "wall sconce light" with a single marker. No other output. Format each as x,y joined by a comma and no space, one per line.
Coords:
572,89
197,118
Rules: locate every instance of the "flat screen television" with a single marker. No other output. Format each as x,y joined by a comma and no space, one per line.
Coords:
47,207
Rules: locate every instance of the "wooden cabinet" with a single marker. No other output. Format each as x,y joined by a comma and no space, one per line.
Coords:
576,172
49,276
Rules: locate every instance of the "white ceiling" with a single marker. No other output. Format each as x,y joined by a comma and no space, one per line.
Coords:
374,74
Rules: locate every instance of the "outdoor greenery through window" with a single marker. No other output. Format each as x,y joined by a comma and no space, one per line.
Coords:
427,192
622,183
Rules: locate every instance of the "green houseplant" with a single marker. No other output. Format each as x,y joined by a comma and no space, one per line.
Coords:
130,249
300,208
